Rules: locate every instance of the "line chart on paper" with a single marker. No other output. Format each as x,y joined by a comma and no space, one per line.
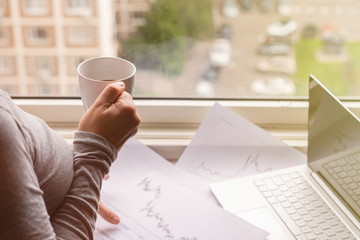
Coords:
157,207
145,216
228,146
227,168
230,171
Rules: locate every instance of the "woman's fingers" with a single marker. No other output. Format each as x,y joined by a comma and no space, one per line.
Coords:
110,93
112,116
107,214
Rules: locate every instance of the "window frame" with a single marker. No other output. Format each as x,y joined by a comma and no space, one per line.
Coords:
168,125
33,38
39,8
179,110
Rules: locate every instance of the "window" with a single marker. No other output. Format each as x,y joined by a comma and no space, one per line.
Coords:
35,7
42,67
3,8
39,36
9,88
78,7
271,48
5,37
80,36
73,62
138,18
42,72
268,47
6,66
77,4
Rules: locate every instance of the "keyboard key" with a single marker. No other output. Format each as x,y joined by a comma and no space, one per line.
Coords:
295,230
310,236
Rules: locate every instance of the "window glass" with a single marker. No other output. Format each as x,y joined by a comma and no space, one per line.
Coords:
80,36
5,37
3,8
6,65
78,7
184,48
38,37
35,7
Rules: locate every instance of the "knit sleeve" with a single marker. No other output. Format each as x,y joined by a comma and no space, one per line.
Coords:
23,210
93,156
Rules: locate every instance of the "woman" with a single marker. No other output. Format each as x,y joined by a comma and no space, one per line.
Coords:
49,190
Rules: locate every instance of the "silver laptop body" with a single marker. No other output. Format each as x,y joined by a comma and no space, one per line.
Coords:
320,200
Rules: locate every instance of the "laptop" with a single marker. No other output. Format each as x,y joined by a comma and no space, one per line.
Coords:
319,200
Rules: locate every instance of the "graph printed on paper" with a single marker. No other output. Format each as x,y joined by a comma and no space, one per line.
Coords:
231,150
150,211
251,162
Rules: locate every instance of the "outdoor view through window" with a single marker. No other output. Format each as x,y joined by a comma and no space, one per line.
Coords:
183,48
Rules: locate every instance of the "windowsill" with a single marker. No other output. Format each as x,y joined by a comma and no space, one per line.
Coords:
170,141
169,125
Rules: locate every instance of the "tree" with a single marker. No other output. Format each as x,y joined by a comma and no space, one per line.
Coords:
171,25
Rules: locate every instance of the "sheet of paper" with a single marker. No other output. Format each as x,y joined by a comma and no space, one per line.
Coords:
136,160
241,197
228,146
159,207
133,162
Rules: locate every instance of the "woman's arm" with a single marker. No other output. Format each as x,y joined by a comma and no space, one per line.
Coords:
23,210
103,130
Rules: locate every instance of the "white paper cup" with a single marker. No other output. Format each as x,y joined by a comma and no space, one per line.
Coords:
95,73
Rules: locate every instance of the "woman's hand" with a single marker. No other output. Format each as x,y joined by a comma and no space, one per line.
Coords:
112,116
107,214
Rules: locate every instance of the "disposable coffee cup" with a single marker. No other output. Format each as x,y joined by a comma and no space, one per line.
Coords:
96,73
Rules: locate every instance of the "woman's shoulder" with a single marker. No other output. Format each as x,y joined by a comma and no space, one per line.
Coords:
9,111
5,101
4,94
8,106
5,98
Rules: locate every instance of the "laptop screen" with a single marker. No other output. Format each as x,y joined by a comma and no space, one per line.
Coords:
334,145
332,127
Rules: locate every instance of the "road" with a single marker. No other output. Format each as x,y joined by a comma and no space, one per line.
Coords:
248,28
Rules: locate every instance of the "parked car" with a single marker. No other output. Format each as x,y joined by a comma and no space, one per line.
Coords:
274,49
266,5
266,39
211,73
282,28
225,31
280,64
220,53
205,89
284,7
230,8
246,5
309,31
273,86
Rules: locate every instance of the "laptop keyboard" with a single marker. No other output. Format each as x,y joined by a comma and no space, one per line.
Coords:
346,172
301,208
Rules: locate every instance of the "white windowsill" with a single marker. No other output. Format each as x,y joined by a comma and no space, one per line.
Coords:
169,125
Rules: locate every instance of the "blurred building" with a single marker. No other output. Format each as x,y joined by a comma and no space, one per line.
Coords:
130,14
43,41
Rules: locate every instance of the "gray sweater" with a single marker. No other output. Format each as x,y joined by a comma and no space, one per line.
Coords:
48,190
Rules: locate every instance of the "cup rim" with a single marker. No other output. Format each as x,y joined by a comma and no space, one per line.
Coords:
106,57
